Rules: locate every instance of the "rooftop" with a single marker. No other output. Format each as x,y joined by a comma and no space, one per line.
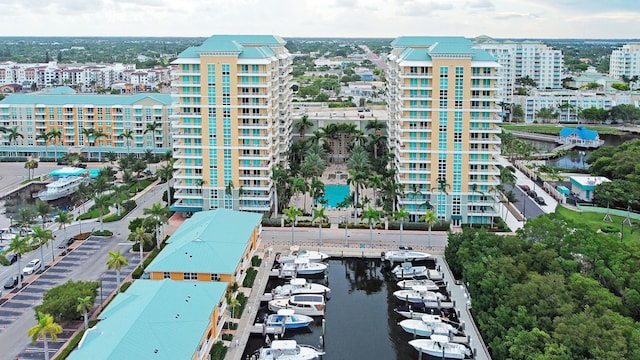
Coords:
425,47
64,98
211,242
246,46
581,132
153,319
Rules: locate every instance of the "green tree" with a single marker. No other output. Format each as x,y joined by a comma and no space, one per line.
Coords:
41,237
127,135
292,214
116,262
18,245
85,304
165,173
13,137
30,165
141,237
97,135
102,203
547,114
159,215
25,217
43,209
372,216
401,215
430,218
63,218
45,328
61,300
55,135
319,217
153,128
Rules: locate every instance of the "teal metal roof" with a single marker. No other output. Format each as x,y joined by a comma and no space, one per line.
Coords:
210,242
153,319
247,46
423,47
47,99
59,90
68,171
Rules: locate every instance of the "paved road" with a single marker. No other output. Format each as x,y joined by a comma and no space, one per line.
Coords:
529,208
86,262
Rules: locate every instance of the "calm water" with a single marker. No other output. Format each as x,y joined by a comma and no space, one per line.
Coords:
12,203
334,194
360,321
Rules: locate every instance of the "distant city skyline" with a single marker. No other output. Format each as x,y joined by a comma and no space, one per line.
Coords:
596,19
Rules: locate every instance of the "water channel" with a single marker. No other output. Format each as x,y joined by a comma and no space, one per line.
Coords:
360,320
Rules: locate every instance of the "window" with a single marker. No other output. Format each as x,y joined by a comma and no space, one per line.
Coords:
215,277
166,275
191,276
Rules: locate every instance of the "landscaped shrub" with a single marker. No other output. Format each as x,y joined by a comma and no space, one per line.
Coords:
242,299
71,345
227,337
440,226
218,351
137,272
256,261
125,286
273,222
150,258
250,277
103,233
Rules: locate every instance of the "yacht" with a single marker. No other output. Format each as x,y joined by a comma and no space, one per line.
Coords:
298,286
429,284
303,304
406,270
287,350
302,267
427,326
288,319
439,346
406,254
61,188
419,294
310,255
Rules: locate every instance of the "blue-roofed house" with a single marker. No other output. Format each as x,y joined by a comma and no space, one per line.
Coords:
160,320
580,136
215,245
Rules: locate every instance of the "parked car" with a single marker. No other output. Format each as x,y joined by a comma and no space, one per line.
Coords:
524,188
66,243
532,194
540,201
12,258
33,266
12,282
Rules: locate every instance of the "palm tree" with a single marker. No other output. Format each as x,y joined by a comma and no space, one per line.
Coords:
318,214
316,190
372,216
55,135
13,137
97,135
63,218
401,215
430,218
375,182
152,128
358,179
279,178
85,304
44,329
43,136
102,203
165,173
376,125
233,304
18,245
303,125
25,218
140,236
292,214
43,209
88,136
128,136
116,262
31,165
442,188
299,186
158,213
119,193
42,237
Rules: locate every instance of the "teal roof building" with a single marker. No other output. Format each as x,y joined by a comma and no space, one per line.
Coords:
160,320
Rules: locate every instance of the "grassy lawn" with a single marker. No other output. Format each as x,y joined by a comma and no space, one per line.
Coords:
555,129
594,222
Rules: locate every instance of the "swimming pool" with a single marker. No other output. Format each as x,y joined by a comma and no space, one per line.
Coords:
334,194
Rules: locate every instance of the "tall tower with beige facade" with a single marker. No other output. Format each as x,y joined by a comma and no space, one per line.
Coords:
231,121
443,118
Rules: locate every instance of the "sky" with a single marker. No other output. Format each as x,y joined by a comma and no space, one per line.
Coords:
597,19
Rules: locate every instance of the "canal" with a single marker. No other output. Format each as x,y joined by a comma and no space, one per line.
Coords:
360,320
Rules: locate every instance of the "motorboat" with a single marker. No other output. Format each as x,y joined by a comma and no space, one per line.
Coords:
302,267
427,326
310,255
288,319
299,286
419,294
418,310
406,270
287,350
62,187
439,346
405,254
302,304
408,284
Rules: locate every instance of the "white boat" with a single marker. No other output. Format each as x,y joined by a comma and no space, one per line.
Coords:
408,284
298,286
301,267
310,255
418,310
287,350
303,304
404,255
61,188
288,319
406,270
440,347
419,294
427,326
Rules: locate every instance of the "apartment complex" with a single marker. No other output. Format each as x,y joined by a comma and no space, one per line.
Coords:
625,61
519,59
443,133
567,104
231,122
85,78
69,113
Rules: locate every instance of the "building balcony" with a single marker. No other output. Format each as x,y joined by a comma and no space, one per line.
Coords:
255,85
416,75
